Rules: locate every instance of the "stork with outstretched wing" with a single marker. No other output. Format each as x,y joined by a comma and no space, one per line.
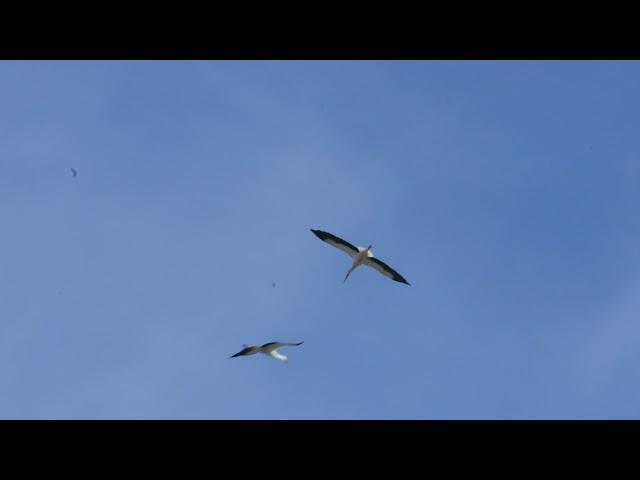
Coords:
360,255
270,349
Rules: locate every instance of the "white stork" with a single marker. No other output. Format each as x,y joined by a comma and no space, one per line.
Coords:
270,349
360,255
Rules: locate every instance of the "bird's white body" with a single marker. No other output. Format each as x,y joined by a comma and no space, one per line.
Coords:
272,351
359,258
364,253
275,354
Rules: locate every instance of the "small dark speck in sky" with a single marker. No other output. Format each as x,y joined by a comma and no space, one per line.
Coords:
273,284
73,170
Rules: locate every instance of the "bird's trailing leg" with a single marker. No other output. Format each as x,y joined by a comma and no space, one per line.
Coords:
349,273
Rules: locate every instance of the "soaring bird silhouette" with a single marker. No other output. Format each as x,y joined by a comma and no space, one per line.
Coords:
360,255
270,349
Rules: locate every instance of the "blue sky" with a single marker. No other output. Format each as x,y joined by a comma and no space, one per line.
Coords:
505,192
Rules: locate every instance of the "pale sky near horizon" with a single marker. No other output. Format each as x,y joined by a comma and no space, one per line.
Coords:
506,192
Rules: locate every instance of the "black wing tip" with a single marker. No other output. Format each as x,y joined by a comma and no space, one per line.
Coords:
321,234
395,276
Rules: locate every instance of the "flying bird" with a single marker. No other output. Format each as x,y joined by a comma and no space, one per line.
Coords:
270,349
360,255
73,171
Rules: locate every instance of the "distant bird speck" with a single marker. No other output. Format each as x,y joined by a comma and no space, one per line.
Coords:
73,171
273,284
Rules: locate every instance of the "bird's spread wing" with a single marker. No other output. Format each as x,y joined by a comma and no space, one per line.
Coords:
269,347
385,269
244,351
336,242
